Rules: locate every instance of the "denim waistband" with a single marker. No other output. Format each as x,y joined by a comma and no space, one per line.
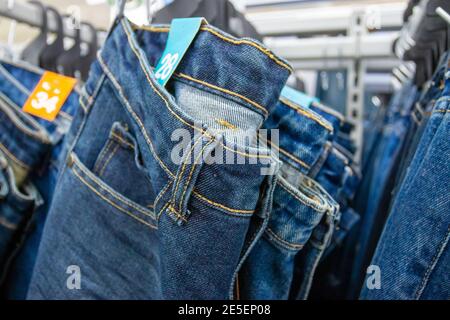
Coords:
243,70
303,134
332,116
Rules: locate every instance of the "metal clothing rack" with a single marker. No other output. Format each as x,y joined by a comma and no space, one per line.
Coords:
338,38
31,15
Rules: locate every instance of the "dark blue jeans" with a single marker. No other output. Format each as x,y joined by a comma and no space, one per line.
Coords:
132,218
33,148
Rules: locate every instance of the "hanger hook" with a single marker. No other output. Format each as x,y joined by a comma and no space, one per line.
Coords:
443,14
121,8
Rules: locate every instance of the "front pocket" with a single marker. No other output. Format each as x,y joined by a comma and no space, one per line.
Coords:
120,166
111,196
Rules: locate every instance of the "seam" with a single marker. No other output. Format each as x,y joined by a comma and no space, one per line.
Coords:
267,52
191,173
112,203
440,111
113,152
431,267
167,103
315,206
294,158
176,213
286,243
83,106
162,210
113,194
255,104
306,114
13,158
183,167
122,140
163,191
7,224
246,212
102,156
135,116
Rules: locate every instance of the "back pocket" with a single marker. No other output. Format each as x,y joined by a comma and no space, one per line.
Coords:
119,163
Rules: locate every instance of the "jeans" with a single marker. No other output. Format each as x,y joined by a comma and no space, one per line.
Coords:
165,227
299,205
33,148
413,255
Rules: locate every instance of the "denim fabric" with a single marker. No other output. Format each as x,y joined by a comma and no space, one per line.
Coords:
331,89
299,205
388,152
33,147
413,252
162,229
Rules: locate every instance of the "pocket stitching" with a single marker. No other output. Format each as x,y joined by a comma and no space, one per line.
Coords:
113,193
112,203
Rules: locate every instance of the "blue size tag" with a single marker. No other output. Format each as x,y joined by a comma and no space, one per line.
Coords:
298,97
182,33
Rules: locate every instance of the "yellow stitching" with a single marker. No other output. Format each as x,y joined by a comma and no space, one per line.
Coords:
13,158
151,206
191,173
7,224
110,202
441,111
221,205
163,191
286,153
291,245
256,105
101,156
233,41
83,106
94,179
170,109
225,123
162,209
113,152
178,215
115,135
300,199
138,120
306,114
183,167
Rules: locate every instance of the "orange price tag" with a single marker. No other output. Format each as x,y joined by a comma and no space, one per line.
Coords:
49,95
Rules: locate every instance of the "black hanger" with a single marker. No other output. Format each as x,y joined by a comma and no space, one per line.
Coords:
92,47
68,62
33,51
51,52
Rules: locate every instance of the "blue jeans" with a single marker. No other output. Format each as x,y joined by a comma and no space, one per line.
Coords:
413,252
33,148
299,205
163,228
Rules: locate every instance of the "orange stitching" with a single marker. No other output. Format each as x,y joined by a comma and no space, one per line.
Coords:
289,244
163,191
112,193
170,109
13,158
266,51
306,114
256,105
122,140
7,224
101,156
112,203
183,167
178,215
113,152
225,123
198,195
138,120
286,153
191,173
305,202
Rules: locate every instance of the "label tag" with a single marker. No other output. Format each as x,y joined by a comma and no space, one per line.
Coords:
49,95
182,33
298,97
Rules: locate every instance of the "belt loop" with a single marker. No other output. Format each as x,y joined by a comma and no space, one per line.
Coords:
187,174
